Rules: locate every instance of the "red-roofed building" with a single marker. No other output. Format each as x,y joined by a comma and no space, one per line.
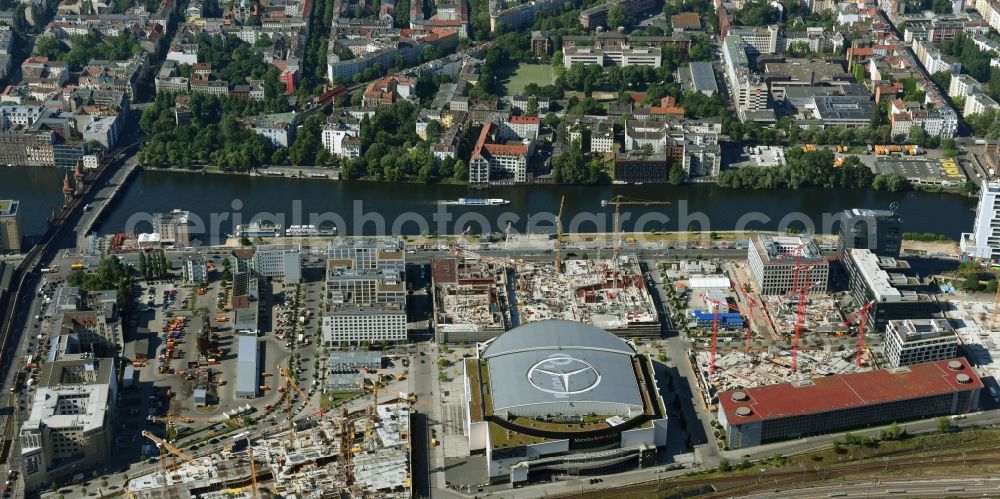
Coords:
668,107
389,90
830,404
493,161
890,91
520,128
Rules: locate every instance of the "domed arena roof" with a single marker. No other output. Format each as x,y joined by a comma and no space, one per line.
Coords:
556,334
558,367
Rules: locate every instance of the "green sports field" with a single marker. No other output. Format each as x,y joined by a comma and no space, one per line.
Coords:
540,74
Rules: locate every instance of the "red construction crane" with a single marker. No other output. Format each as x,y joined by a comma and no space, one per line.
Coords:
800,286
715,328
752,304
861,313
800,317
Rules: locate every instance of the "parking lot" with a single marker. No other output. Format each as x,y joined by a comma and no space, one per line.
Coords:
175,315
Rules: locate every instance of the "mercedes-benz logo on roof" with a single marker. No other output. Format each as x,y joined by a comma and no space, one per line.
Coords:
563,375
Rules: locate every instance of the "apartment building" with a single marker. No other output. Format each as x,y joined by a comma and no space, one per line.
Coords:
963,85
279,128
884,281
916,341
365,292
602,138
750,93
779,264
978,102
70,427
341,142
983,243
494,161
10,226
278,260
520,128
880,231
762,40
173,228
387,91
613,56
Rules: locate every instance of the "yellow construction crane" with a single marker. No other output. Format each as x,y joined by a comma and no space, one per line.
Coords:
172,420
253,470
164,448
166,445
346,440
559,237
289,385
374,389
619,201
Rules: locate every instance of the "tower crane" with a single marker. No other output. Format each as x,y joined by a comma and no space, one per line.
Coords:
559,237
748,310
619,201
253,471
290,385
862,315
164,448
346,437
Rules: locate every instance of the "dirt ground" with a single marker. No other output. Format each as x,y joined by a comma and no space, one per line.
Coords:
931,247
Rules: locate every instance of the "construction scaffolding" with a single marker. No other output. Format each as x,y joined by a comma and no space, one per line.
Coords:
378,443
476,299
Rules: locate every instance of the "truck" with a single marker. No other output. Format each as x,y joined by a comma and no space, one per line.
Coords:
77,266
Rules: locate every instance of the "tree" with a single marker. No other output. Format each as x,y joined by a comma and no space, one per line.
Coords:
618,17
143,270
263,41
943,424
758,13
676,175
461,171
894,432
950,150
280,156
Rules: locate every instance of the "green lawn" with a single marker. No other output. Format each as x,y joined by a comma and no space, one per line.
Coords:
540,74
331,400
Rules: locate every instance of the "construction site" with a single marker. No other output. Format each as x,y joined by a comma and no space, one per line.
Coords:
361,454
477,298
976,324
743,337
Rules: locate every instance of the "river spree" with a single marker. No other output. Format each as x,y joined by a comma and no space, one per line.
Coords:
360,207
218,202
40,193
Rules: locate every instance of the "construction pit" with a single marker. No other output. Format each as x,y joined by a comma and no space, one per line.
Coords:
477,298
977,331
755,335
366,454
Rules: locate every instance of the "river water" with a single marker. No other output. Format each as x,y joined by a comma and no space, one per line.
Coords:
218,202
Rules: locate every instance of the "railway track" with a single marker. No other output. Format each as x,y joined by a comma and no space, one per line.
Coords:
963,453
796,479
22,275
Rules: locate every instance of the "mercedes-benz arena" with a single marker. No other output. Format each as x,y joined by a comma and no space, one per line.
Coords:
559,396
